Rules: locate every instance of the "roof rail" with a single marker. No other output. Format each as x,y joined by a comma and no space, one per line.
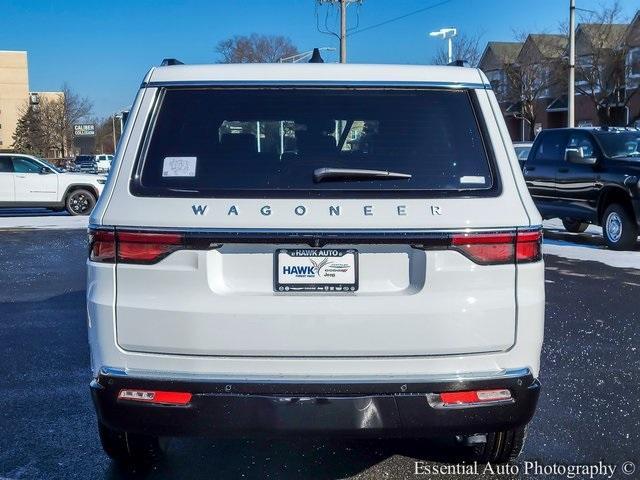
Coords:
170,61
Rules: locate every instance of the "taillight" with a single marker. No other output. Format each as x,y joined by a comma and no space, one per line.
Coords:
529,246
486,248
499,248
134,247
102,246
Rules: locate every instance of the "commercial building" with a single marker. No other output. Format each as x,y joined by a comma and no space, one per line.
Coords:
15,94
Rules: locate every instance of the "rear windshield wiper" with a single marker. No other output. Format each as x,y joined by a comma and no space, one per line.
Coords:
336,174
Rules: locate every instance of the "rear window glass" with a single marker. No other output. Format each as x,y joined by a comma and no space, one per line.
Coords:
275,142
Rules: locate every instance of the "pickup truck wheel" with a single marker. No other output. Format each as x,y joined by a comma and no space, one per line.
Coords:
80,202
129,449
500,447
619,228
574,226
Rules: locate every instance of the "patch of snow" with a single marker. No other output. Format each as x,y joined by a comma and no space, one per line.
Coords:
55,222
591,253
580,251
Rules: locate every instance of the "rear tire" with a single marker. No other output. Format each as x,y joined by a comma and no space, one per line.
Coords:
574,226
129,449
80,202
619,228
501,447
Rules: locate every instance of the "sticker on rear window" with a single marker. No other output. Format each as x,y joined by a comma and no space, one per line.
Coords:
179,166
472,179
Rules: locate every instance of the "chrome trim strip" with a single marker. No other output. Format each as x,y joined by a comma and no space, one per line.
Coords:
186,376
311,232
315,83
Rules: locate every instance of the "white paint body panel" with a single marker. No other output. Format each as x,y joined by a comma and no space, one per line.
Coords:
416,313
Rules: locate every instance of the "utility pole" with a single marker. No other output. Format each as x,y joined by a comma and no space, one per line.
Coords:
571,118
343,31
113,130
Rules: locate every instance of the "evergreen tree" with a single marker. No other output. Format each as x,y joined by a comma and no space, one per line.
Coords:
29,136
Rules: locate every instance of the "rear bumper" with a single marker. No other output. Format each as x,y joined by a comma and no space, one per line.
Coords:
392,409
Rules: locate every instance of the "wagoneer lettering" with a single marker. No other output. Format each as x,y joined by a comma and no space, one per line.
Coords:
324,267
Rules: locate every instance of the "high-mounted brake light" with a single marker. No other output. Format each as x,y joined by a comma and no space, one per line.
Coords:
156,396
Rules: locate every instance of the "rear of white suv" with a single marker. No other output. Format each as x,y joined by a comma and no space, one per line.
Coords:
315,249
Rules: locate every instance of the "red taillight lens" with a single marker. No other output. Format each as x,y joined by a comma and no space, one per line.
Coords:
529,246
486,248
146,247
499,248
156,396
474,397
102,246
132,247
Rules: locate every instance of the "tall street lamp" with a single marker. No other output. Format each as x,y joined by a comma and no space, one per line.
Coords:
446,34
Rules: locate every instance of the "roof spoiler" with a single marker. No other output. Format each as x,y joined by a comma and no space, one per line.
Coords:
167,62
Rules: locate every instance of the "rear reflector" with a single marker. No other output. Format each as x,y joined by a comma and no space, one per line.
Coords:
469,398
155,396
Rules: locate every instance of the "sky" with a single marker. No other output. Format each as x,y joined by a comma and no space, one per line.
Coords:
103,48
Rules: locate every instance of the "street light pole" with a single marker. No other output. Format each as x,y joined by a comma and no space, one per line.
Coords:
571,108
446,34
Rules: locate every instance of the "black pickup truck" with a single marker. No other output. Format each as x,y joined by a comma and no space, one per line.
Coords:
588,176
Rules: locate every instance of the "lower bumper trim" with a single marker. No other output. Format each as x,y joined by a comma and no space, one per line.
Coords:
273,409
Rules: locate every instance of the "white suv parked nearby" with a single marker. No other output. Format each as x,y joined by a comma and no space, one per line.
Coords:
315,249
27,181
103,163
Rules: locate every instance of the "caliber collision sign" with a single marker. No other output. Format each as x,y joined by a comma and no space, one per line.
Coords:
84,130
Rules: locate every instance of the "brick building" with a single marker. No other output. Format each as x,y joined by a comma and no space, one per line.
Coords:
608,91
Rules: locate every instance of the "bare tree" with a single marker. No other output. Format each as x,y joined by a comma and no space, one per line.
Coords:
601,70
60,114
465,48
538,71
255,48
104,134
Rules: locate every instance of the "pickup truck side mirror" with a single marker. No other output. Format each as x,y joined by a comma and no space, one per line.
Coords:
44,171
576,155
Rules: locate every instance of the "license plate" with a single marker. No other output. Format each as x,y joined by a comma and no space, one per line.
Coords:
316,270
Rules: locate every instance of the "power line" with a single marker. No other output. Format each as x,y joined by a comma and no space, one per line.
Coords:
401,17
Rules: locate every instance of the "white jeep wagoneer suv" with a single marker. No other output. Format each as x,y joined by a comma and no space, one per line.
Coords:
315,249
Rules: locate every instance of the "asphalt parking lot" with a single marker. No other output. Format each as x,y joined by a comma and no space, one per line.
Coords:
588,412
